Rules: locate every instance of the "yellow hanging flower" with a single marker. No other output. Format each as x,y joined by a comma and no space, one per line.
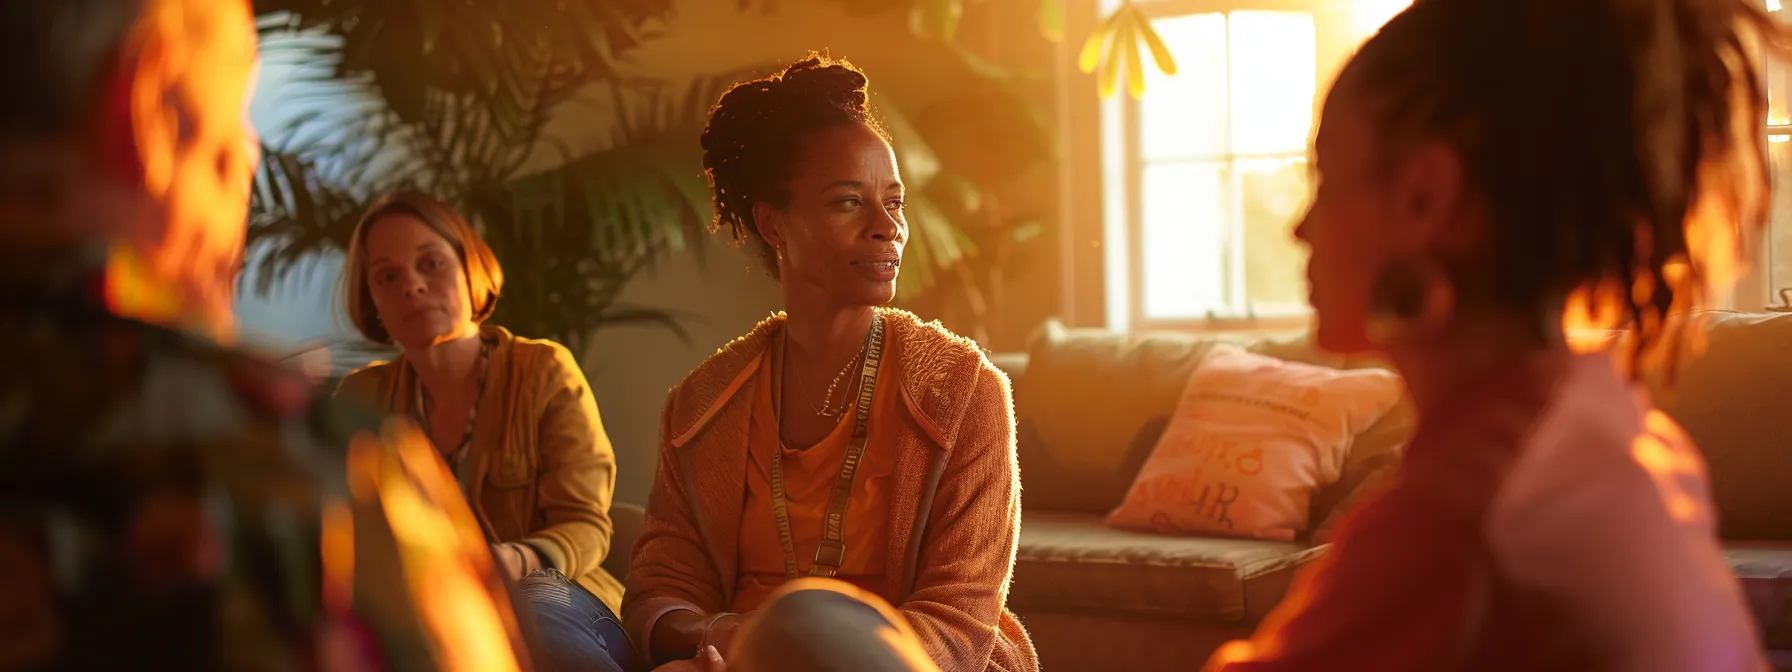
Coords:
1121,32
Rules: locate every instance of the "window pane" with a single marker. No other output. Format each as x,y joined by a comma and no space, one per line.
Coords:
1779,151
1275,197
1273,68
1779,223
1182,116
1183,239
1368,16
1779,92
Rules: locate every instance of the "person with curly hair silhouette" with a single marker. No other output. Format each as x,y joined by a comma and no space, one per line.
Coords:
1483,165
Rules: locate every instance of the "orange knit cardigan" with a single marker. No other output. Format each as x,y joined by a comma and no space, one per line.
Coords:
955,509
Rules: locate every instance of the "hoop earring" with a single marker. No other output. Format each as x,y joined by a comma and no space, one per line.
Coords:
1412,297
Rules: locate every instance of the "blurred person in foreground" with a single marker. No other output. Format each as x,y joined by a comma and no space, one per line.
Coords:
165,502
1483,166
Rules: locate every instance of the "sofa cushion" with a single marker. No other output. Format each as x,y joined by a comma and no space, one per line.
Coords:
1252,440
1090,404
1732,401
1090,409
1069,561
1765,570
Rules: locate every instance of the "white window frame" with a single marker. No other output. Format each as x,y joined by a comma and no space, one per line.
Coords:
1121,295
1123,167
1755,290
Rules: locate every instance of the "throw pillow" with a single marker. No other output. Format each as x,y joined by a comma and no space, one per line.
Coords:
1251,441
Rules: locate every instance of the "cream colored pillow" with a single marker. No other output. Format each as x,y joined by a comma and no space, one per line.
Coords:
1252,440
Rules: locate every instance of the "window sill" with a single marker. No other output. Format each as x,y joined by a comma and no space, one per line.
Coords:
1240,326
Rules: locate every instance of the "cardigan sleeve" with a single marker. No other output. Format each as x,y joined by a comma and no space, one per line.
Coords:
973,529
670,570
576,476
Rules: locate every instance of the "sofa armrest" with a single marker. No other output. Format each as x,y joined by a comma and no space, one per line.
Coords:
625,521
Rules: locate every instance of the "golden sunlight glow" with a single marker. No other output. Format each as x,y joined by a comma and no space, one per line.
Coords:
1235,651
446,565
1730,193
444,555
1273,79
1592,317
1223,143
463,615
1668,467
1367,16
1713,240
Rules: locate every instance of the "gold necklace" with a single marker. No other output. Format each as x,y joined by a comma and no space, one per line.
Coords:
827,409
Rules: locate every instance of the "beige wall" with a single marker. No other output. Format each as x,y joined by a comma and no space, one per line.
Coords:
631,367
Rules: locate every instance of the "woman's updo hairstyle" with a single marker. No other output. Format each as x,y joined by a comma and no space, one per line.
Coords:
757,132
1615,144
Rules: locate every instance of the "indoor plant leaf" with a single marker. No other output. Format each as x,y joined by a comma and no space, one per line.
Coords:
1051,19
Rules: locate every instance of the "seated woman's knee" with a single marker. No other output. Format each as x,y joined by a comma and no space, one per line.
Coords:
821,628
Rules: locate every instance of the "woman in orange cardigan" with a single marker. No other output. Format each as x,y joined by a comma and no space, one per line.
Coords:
840,440
513,417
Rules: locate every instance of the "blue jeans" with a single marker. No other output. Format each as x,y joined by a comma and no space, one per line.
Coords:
574,630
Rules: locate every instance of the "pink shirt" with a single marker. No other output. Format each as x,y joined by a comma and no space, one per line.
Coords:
1544,523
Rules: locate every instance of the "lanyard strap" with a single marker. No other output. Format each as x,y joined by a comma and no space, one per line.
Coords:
453,456
830,553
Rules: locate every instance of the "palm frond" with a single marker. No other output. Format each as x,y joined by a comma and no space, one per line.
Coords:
456,103
514,58
600,219
299,213
346,354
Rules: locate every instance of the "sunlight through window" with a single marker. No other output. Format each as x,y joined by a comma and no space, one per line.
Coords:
1776,258
1367,16
1221,159
1206,173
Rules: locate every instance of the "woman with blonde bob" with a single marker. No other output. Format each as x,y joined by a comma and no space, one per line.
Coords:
513,417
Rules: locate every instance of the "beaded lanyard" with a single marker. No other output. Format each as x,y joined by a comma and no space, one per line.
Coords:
459,452
831,552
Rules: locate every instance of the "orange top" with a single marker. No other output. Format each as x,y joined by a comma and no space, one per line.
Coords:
963,471
809,477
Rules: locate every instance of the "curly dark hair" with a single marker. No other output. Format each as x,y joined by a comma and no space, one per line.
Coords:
1593,130
757,131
